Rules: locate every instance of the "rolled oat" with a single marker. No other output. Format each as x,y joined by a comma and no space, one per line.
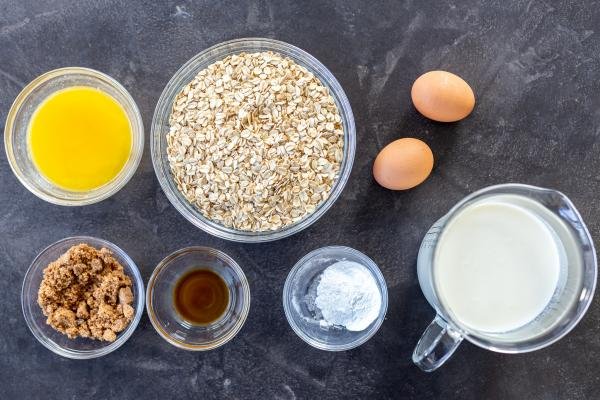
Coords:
255,142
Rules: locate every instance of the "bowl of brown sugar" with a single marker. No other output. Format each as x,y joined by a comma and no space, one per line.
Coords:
82,297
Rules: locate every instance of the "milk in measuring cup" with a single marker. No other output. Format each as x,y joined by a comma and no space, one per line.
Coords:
496,265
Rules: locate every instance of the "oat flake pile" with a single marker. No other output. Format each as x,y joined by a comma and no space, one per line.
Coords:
255,142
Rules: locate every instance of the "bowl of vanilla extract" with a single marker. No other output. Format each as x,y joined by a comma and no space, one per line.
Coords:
198,298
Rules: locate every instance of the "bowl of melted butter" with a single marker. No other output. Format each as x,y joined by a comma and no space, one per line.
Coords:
74,136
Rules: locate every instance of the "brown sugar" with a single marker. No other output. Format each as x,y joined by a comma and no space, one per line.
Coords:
85,293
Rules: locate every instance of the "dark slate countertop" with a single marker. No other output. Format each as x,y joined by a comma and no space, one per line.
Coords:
534,66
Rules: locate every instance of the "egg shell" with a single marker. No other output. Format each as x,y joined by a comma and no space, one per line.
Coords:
403,164
442,96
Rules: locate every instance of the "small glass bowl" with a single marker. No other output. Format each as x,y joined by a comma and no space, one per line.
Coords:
16,134
160,127
166,320
303,320
80,348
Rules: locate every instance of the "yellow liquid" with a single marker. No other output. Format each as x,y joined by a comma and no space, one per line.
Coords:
79,138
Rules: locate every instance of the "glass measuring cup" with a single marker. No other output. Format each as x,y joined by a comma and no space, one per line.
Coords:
571,298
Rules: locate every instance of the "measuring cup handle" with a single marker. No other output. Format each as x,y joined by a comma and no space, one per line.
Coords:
436,345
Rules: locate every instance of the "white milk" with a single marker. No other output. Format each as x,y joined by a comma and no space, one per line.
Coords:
496,266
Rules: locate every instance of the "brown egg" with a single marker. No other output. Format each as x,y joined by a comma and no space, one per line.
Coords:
442,96
403,164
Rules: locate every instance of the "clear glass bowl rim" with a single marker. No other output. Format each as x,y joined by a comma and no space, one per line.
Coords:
163,109
95,195
375,271
164,263
122,337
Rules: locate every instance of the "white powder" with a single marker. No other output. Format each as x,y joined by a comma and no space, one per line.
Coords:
348,295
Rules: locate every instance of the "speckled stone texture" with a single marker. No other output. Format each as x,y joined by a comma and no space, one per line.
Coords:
534,66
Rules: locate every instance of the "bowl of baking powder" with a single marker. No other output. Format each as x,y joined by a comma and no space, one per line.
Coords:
335,298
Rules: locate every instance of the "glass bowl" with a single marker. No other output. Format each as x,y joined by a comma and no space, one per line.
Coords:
160,127
16,134
305,322
59,343
167,321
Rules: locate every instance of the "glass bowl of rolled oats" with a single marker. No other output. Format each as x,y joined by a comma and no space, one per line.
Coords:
253,140
59,275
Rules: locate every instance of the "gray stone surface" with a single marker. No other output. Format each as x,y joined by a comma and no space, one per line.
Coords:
534,66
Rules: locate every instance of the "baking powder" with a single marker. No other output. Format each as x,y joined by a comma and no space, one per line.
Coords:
348,295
